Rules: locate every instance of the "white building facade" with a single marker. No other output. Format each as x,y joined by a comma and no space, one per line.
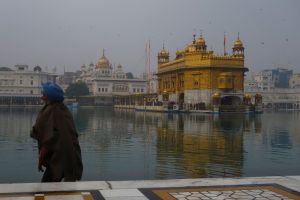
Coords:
264,80
272,96
21,85
295,81
103,80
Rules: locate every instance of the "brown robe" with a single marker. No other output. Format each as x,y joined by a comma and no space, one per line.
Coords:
55,131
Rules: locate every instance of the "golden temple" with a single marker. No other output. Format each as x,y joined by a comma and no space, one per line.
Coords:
198,77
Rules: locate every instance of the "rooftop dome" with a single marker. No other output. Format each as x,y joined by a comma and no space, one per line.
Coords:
190,48
103,62
179,53
216,95
37,69
238,43
258,95
5,69
247,96
200,41
163,52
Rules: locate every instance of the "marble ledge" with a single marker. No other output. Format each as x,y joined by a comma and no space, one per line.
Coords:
202,182
49,187
292,182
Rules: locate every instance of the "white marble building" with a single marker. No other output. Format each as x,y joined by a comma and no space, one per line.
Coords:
103,80
22,84
294,81
264,80
274,98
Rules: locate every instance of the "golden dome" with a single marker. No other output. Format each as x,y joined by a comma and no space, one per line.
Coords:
190,48
258,95
163,52
247,96
200,41
217,95
103,62
238,43
179,53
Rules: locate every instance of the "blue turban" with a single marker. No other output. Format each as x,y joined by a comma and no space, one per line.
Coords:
53,92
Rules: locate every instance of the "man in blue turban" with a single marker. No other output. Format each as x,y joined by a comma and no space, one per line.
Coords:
57,138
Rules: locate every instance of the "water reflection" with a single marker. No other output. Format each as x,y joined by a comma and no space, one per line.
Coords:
121,145
200,146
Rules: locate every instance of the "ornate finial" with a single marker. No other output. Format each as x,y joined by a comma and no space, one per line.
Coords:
238,35
194,36
103,52
163,45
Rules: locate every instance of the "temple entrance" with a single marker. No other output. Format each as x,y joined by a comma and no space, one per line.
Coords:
231,104
231,101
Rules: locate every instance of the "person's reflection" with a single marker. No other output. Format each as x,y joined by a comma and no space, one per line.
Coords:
81,118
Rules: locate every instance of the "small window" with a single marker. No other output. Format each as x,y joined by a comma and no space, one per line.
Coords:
31,82
106,90
133,89
21,82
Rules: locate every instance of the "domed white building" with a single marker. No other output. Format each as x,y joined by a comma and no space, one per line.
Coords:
103,80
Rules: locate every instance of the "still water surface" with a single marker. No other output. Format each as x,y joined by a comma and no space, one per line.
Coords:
122,145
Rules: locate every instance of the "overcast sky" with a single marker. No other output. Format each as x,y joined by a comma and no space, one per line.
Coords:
73,32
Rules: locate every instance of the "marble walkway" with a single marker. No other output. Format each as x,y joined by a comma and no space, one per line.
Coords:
259,188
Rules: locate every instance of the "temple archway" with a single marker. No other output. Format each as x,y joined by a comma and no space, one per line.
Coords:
231,100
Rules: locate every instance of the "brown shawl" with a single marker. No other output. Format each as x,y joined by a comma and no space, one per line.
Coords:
55,131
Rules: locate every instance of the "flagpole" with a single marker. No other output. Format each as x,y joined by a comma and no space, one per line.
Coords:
225,53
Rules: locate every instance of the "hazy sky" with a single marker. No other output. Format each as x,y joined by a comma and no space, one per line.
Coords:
73,32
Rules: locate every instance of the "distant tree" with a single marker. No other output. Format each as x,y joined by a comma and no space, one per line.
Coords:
75,90
129,75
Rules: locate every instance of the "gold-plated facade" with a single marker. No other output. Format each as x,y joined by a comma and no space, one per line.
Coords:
196,73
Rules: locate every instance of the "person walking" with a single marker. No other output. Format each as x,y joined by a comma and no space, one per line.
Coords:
55,132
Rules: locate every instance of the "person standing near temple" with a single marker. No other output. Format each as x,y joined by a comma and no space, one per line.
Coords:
55,132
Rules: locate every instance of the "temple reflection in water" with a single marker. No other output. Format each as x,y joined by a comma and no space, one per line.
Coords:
201,146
